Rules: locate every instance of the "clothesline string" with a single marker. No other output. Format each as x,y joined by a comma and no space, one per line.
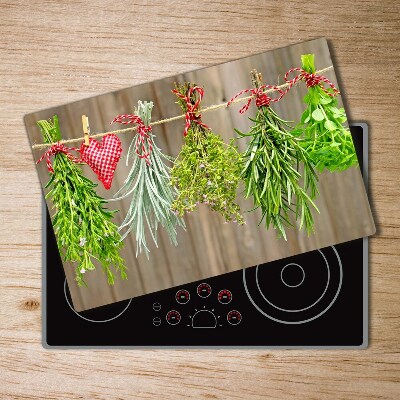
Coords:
170,119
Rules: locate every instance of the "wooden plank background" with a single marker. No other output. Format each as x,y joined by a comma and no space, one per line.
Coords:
208,247
56,52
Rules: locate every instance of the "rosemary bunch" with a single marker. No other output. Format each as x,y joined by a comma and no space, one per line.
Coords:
206,170
152,194
272,174
327,141
83,227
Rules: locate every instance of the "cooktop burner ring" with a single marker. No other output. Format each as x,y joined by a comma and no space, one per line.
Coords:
255,290
89,319
302,278
299,309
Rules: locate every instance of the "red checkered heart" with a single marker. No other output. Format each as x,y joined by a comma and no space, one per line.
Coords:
103,157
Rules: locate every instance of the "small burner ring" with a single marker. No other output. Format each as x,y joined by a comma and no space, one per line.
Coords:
303,275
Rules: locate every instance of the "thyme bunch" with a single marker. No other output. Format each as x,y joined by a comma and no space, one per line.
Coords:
152,194
84,230
327,141
274,164
206,170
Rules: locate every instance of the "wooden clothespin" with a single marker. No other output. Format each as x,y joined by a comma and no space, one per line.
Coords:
86,129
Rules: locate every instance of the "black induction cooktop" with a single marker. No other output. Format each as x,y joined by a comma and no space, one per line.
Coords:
315,299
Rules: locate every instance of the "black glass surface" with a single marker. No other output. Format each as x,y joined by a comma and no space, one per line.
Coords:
312,299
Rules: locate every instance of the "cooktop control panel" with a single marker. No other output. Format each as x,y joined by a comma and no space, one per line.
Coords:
206,307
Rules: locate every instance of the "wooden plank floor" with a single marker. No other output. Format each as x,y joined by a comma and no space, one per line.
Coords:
57,52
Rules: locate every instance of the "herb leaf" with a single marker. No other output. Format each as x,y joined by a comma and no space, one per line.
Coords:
327,141
272,173
84,231
152,194
206,170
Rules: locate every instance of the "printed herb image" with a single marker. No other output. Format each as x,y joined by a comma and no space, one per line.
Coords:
201,189
83,226
147,184
207,170
274,166
327,141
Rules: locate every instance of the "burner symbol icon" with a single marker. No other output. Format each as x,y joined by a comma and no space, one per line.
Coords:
156,321
224,296
204,319
234,317
204,290
173,317
182,296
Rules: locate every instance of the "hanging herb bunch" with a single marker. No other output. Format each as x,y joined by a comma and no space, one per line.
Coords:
327,141
206,170
84,231
274,164
148,183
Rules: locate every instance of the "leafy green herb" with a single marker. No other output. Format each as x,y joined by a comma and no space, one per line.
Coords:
84,231
152,194
206,170
326,139
272,172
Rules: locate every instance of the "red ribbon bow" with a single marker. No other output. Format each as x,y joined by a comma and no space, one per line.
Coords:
192,108
143,135
55,149
261,98
311,80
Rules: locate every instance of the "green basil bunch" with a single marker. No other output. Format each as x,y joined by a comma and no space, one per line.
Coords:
327,141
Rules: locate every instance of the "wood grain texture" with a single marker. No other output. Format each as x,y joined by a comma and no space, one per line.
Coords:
208,247
56,52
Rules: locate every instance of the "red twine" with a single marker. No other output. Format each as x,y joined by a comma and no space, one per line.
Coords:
55,149
311,80
261,98
143,135
192,108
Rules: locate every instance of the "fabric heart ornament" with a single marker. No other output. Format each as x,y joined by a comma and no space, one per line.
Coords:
103,157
